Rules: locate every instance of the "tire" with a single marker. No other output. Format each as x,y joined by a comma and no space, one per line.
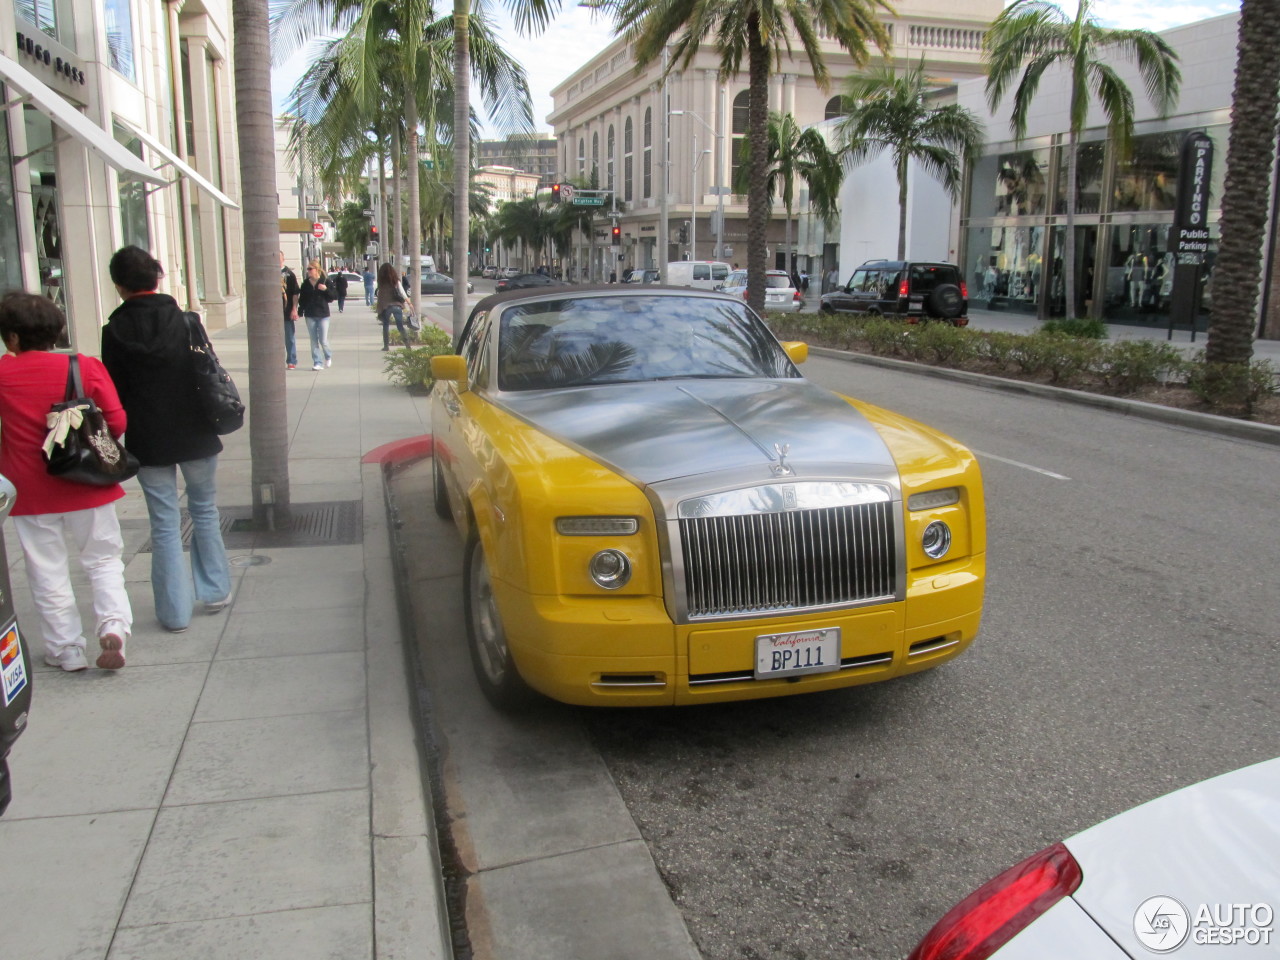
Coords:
827,309
439,492
495,670
945,301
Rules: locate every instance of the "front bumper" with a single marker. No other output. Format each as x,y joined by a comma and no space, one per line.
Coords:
627,652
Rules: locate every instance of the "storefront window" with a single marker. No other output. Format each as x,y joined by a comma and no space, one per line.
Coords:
1005,267
133,197
42,167
1086,240
1090,161
119,23
1148,178
10,263
1140,272
1011,184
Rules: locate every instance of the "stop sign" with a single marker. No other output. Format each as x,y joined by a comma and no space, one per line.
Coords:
317,230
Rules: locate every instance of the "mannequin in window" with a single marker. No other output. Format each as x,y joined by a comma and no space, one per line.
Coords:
1136,269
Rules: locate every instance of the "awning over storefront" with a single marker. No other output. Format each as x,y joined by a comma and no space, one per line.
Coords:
30,89
170,158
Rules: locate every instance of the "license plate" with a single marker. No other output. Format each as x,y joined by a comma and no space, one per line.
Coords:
792,654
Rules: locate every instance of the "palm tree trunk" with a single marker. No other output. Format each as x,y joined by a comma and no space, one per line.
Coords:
758,172
1069,244
268,415
415,197
1250,152
382,207
791,257
461,157
395,244
903,162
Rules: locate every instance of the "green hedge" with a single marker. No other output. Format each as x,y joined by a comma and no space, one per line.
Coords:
411,366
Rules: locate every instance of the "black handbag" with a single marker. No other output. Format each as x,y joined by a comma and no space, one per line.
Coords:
216,392
79,446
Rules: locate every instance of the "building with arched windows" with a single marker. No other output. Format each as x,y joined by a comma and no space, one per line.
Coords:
611,125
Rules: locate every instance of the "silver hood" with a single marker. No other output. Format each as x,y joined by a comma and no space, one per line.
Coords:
658,431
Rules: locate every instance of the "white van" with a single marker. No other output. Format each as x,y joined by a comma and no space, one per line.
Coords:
703,274
428,263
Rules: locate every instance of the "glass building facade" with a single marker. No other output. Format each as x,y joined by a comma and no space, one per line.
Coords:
1013,231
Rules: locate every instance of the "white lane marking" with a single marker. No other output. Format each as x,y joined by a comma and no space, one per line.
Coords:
1024,466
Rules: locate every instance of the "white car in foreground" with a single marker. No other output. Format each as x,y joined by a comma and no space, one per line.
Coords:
1195,873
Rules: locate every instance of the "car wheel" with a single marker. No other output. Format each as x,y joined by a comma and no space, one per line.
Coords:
945,301
491,659
439,492
827,309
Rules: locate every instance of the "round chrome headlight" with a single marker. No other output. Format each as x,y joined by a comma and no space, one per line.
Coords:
610,569
936,540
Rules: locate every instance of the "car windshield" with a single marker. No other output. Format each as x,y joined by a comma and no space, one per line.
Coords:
776,281
590,340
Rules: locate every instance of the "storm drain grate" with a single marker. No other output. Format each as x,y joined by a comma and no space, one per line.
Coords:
334,523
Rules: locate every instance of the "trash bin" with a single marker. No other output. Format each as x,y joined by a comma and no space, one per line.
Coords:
15,663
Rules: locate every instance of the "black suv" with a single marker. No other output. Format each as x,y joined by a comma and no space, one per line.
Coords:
913,290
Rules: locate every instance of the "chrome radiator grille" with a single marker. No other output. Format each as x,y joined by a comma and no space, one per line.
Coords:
762,562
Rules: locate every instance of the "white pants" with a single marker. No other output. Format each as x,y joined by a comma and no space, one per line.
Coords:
96,534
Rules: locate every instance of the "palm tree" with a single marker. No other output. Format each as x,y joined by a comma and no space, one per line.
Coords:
1250,151
268,421
528,15
1030,36
797,154
885,110
761,31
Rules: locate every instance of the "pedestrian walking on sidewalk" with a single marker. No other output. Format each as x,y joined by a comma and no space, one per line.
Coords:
369,281
146,346
338,284
313,303
289,300
390,305
32,379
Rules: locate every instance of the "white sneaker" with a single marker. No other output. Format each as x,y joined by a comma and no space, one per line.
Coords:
328,361
217,606
318,366
71,659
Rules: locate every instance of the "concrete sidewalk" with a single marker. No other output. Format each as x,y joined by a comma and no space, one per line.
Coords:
252,787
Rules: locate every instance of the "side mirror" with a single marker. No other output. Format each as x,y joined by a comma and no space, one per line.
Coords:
449,366
797,350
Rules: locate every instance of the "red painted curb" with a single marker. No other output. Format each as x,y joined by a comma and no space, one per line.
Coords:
398,451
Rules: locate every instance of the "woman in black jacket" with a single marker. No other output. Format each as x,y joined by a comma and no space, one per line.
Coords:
146,346
313,303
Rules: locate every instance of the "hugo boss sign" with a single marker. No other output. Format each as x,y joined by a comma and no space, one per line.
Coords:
1191,217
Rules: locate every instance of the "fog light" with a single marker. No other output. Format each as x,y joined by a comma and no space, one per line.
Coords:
936,540
610,569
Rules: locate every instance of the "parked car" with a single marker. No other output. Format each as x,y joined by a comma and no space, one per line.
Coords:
489,272
658,508
644,276
508,272
522,281
911,290
702,274
355,282
15,661
1199,867
440,283
779,294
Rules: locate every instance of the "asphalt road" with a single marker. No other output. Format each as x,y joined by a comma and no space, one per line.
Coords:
1129,647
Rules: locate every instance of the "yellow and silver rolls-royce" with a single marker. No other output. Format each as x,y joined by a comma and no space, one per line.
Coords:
659,509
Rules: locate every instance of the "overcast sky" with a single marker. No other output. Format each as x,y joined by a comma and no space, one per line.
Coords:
577,35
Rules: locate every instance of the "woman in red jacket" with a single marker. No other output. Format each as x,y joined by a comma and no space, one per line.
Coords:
32,379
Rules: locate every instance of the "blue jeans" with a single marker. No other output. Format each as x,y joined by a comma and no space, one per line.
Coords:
171,583
290,344
368,295
396,313
318,329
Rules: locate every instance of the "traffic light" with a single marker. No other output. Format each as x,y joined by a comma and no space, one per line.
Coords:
555,193
373,233
617,235
684,232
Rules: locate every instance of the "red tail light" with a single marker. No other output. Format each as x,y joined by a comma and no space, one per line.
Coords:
902,288
988,918
964,290
797,296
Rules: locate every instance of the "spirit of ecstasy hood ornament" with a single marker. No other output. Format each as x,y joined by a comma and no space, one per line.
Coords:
782,468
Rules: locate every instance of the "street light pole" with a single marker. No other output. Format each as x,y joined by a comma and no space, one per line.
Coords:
693,199
719,188
665,164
